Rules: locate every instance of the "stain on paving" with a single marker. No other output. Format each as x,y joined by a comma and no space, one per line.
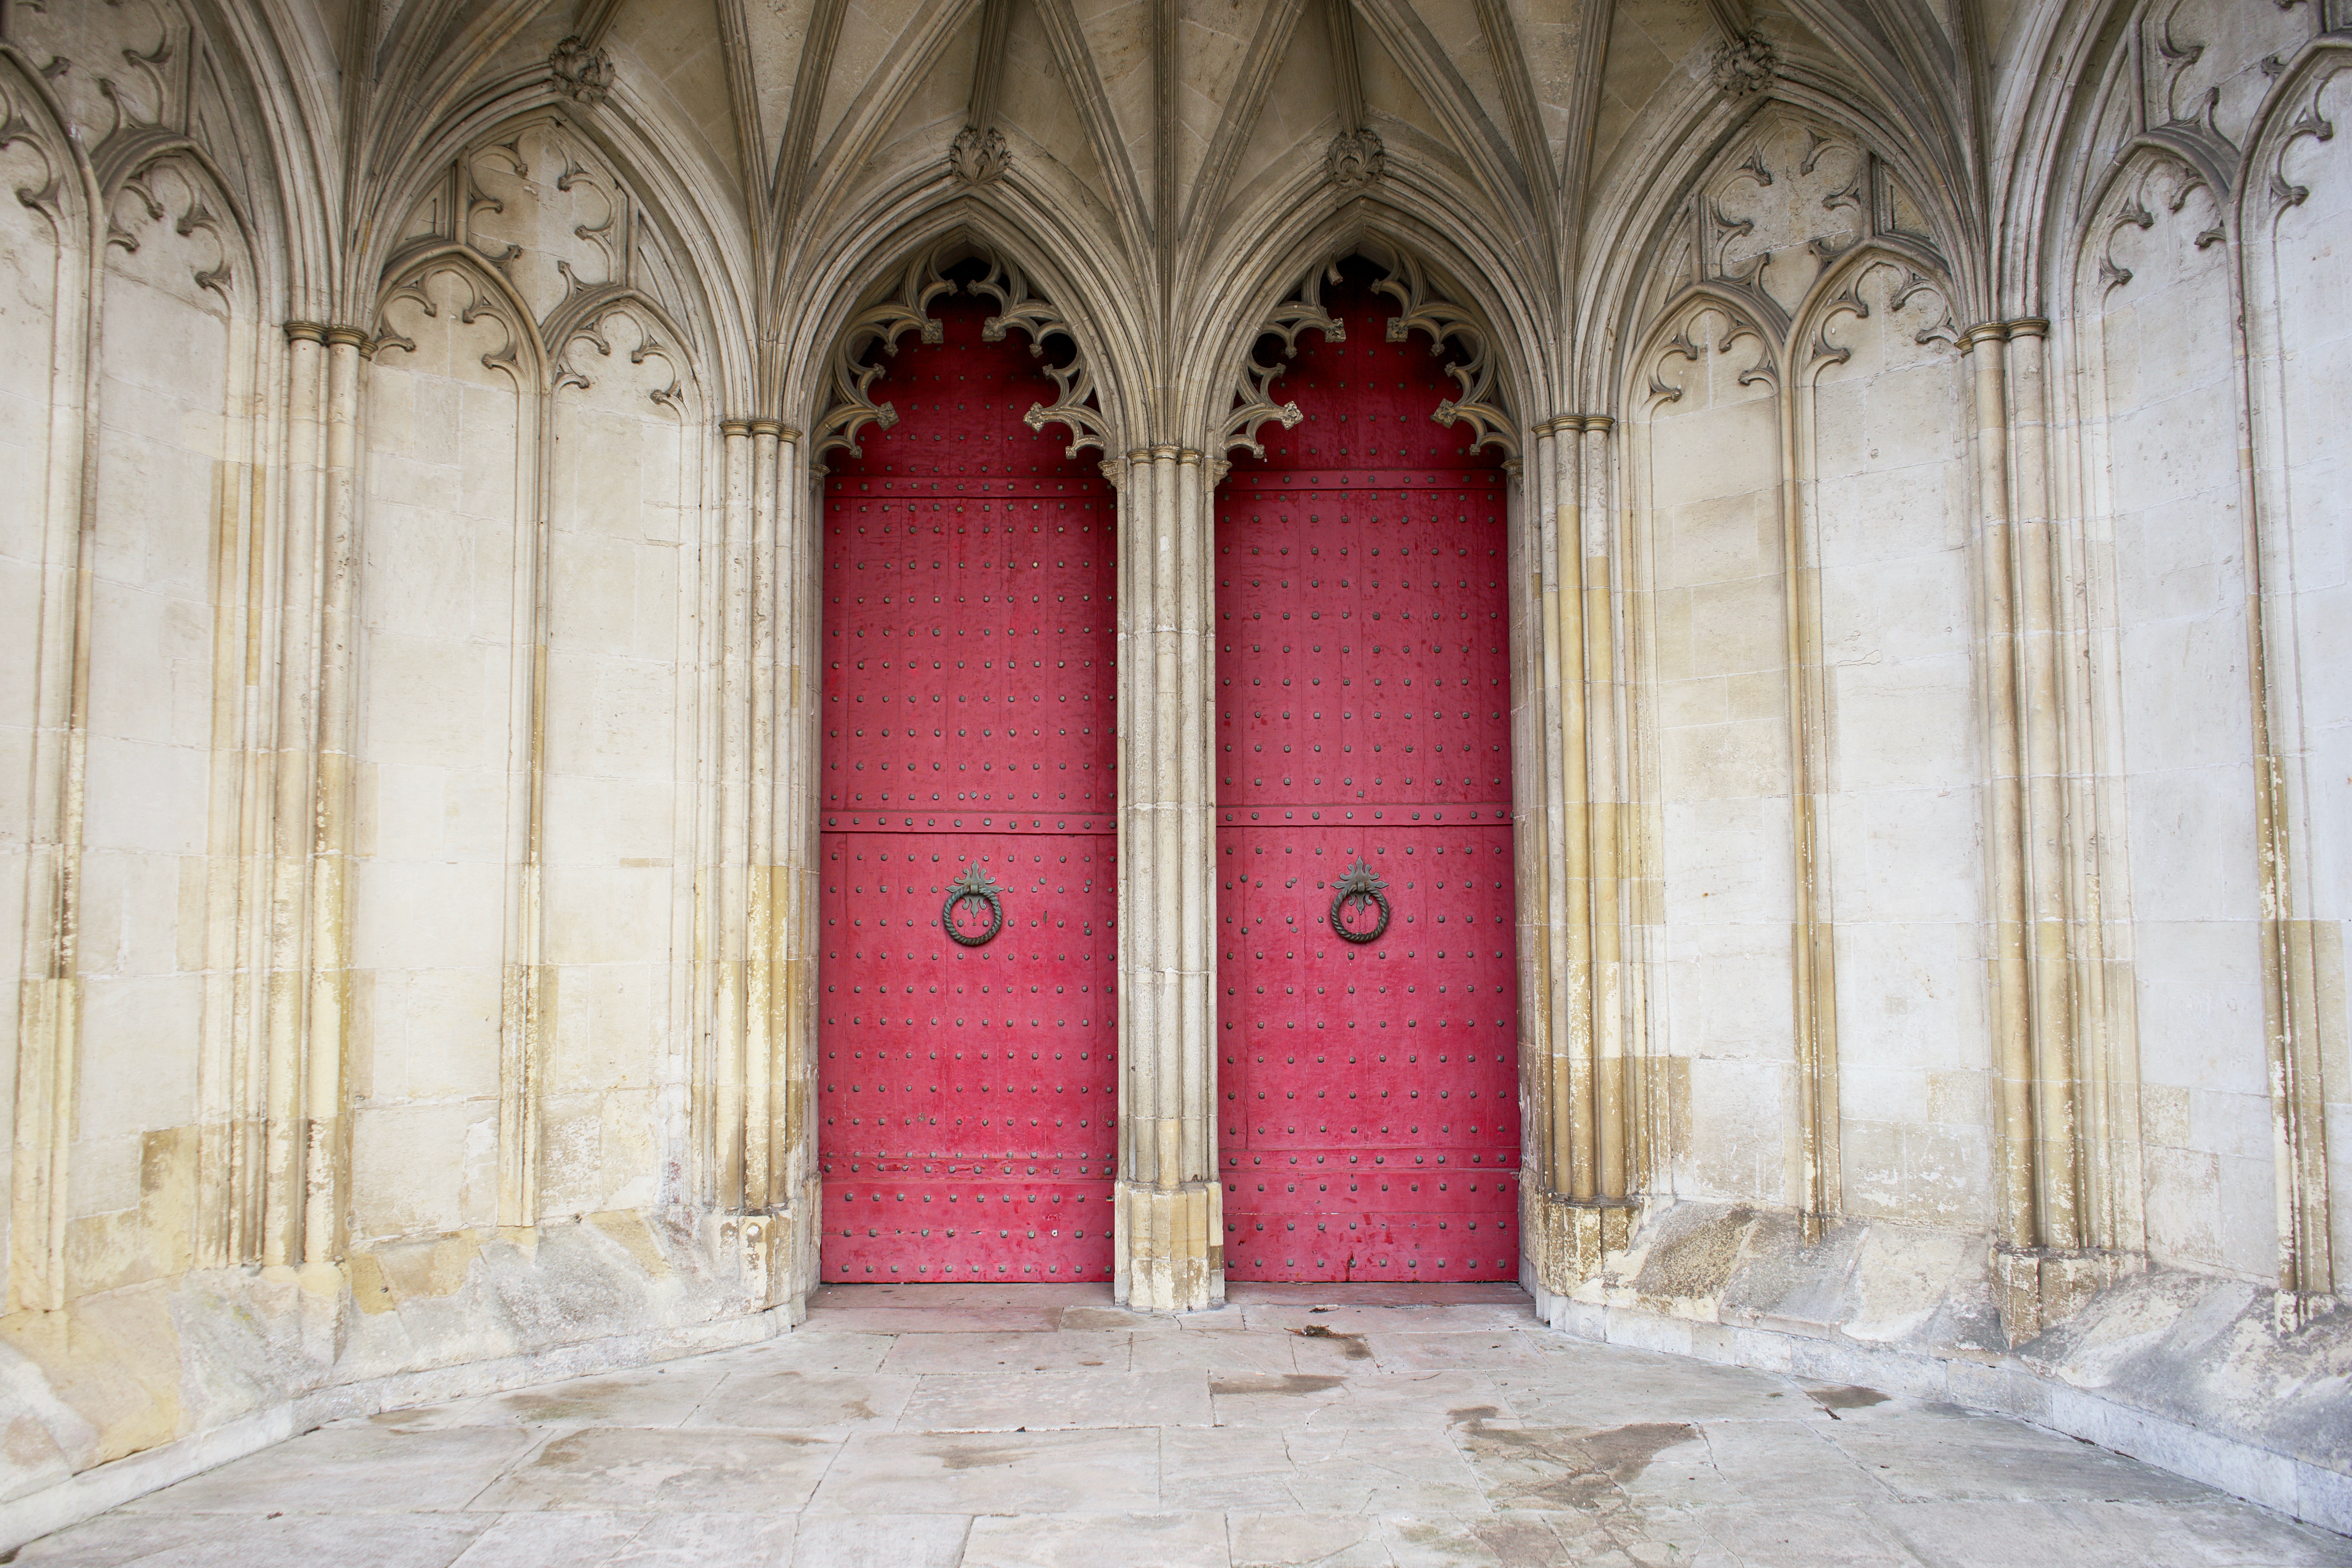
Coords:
1844,1397
1571,1468
982,1458
1273,1382
1353,1346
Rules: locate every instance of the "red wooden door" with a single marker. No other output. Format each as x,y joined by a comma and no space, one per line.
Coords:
967,1091
1368,1090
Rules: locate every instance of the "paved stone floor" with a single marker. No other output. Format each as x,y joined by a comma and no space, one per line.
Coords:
910,1428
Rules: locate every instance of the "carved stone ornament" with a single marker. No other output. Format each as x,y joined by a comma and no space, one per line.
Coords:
1356,159
1252,401
1449,328
1743,65
1422,309
852,405
582,74
978,156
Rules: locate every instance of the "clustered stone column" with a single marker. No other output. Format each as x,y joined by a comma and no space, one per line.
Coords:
1578,1090
305,1157
1169,1253
2045,1260
759,940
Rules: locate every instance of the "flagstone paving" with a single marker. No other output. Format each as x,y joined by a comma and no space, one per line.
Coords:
953,1427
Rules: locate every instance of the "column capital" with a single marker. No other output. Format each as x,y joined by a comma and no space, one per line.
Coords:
735,426
306,331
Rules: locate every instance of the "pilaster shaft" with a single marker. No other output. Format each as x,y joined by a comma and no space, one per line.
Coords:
1580,1100
326,1136
2042,1271
1170,1244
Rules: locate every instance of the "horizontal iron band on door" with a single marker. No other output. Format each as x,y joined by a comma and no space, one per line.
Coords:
1102,827
1485,814
1292,480
969,487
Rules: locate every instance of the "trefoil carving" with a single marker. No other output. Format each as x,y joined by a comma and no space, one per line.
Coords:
1075,404
1480,401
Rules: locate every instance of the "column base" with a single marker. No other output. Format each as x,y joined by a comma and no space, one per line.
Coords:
1170,1247
775,1252
2036,1287
1567,1239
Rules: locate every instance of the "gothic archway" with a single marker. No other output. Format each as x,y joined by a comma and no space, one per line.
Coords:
967,1031
1367,1033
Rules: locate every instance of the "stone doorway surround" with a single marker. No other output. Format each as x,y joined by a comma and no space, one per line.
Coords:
1584,1139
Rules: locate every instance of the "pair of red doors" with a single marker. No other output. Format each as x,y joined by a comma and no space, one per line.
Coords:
966,1039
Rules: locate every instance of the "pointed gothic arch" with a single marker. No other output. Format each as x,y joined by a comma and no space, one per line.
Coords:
1424,310
852,372
844,385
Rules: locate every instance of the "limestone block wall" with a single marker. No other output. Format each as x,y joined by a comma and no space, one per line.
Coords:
1931,567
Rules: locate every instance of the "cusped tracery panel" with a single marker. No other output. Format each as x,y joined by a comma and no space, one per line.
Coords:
444,639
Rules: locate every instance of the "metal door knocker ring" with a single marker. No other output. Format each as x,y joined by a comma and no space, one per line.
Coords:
1358,887
975,887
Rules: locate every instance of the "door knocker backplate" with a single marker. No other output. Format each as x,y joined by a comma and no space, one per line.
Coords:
1356,889
975,889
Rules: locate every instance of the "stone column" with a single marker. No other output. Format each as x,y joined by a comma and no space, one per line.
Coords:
1169,1248
1579,1113
1534,737
291,811
326,1159
795,1187
777,1232
62,525
762,1007
725,927
2058,1155
2042,1271
1815,1164
1604,826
